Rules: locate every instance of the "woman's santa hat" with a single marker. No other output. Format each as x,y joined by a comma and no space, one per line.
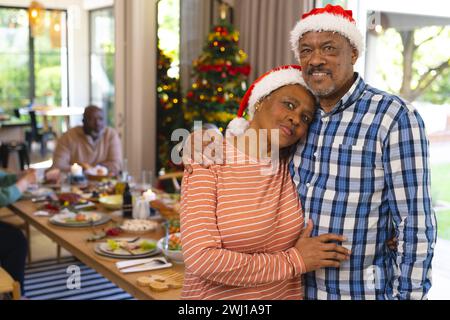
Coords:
331,18
261,88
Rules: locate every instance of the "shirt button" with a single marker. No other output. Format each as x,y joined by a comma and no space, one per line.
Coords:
316,155
308,185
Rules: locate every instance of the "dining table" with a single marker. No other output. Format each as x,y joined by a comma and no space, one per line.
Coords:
75,241
51,114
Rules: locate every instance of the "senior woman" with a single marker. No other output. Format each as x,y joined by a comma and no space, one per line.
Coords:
13,245
241,222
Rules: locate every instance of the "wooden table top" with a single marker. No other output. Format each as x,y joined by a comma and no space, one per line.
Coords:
74,241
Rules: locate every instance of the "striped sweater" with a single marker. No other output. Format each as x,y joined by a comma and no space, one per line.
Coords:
238,229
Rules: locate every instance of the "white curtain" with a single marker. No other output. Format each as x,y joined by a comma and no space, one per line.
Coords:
196,20
265,27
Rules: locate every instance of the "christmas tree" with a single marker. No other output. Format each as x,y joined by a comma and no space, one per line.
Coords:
169,108
220,76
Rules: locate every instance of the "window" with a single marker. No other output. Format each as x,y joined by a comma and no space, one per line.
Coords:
169,33
32,69
50,55
14,59
408,54
102,53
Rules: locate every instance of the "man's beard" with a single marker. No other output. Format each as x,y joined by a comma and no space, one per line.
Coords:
96,134
323,93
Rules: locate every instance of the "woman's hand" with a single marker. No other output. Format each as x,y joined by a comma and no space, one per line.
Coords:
393,243
28,178
318,252
86,166
199,148
53,175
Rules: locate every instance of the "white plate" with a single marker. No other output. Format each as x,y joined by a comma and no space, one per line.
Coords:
95,171
38,193
67,219
139,226
104,247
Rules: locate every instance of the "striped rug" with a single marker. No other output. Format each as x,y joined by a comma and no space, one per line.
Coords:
47,280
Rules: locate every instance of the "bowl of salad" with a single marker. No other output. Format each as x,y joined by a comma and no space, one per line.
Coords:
171,247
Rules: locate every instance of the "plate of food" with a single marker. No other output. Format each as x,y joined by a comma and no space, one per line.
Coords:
38,193
171,247
78,220
139,226
97,173
113,202
168,205
69,199
123,249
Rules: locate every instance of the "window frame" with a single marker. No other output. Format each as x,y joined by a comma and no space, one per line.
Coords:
90,35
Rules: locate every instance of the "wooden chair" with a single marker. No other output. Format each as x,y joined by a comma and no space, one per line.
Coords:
38,135
7,216
20,148
9,285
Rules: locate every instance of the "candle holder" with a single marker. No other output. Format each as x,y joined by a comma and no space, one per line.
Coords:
78,180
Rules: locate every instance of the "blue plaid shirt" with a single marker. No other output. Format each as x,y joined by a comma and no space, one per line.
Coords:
364,173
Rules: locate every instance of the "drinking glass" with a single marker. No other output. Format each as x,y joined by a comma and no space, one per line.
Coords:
146,180
65,183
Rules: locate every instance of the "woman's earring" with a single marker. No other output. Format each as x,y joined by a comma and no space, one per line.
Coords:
257,107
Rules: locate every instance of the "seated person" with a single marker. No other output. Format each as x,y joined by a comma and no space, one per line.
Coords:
13,245
89,145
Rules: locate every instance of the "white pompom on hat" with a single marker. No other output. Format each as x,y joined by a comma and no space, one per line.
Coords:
331,18
261,88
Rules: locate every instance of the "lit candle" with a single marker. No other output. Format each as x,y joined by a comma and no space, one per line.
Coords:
149,195
76,170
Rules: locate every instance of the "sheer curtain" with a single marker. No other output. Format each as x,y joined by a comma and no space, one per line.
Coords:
196,20
265,27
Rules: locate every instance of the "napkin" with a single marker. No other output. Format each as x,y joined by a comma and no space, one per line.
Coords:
41,214
143,265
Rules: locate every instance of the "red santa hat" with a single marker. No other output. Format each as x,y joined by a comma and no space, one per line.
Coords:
331,18
261,88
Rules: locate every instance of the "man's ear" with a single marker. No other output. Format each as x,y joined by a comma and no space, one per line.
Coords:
355,55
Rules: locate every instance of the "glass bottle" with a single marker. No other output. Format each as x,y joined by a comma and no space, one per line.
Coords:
127,203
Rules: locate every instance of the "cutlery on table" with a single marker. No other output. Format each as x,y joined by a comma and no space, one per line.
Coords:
143,265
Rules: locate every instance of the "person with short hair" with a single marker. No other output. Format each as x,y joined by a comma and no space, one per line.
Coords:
90,145
363,171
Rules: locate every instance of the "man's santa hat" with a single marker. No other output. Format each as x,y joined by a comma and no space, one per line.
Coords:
331,18
261,88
